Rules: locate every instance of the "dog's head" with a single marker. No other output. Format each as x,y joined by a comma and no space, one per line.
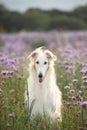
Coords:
42,59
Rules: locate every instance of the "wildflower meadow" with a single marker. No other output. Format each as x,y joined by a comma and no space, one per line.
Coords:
71,71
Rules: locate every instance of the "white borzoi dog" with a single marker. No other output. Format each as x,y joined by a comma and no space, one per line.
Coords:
42,84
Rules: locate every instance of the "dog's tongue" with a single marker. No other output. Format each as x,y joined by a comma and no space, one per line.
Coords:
40,80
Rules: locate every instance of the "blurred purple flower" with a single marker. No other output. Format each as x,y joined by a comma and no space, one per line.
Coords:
13,67
84,104
84,71
81,99
67,87
72,91
4,72
75,80
11,115
84,81
84,78
73,98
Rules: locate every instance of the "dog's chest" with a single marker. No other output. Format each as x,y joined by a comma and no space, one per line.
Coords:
43,98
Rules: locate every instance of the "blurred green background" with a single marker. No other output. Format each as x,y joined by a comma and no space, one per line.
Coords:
43,20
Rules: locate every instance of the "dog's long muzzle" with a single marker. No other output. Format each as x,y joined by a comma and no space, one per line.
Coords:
40,76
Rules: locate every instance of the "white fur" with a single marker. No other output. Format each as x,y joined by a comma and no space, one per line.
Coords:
46,93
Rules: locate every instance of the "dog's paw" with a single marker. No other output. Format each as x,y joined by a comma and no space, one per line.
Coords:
57,116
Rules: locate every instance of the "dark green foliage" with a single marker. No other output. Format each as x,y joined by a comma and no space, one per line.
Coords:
38,43
36,19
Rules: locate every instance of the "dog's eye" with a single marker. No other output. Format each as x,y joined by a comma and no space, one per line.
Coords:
37,62
45,63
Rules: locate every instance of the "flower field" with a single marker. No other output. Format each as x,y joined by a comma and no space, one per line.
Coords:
71,72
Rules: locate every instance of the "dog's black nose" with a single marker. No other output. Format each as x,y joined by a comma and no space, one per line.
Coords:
40,75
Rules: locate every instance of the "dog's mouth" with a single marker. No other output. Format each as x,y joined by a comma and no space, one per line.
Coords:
40,80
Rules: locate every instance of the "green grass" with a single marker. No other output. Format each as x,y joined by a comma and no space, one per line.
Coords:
13,114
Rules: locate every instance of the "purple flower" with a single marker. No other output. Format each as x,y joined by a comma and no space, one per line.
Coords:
11,115
73,98
4,72
13,67
67,87
81,99
84,104
84,78
84,71
75,80
7,72
72,91
85,81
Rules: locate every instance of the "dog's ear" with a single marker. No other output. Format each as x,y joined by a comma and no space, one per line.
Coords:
32,55
51,56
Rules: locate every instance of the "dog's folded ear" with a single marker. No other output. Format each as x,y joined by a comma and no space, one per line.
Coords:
32,55
51,56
